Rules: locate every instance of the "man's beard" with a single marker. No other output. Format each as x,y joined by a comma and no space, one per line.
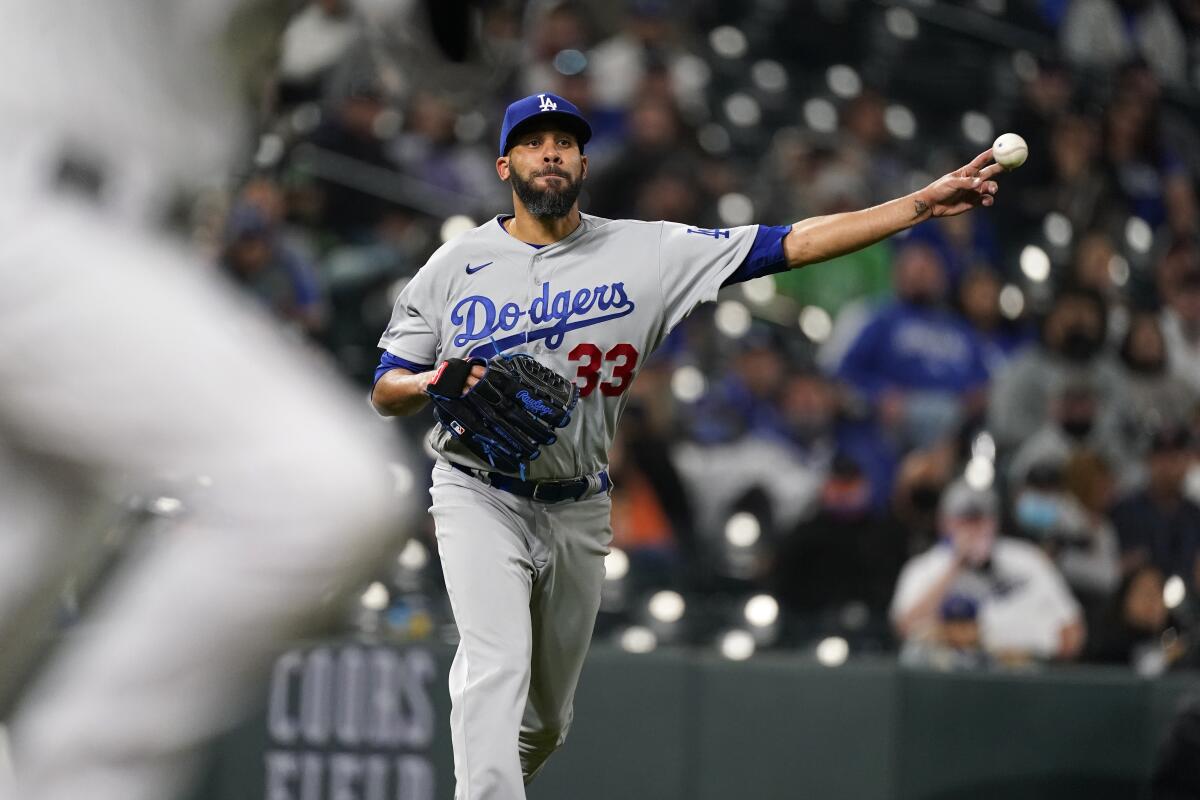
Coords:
548,203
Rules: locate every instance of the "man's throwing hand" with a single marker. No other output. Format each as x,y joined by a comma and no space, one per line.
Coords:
961,190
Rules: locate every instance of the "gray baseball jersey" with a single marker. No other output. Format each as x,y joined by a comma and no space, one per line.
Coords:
592,306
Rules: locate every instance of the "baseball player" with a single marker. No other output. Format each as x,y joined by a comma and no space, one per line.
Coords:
122,358
522,541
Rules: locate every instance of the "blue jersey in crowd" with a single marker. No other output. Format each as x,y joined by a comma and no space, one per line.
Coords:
913,348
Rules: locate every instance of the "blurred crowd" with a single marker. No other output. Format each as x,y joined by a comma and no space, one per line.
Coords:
975,444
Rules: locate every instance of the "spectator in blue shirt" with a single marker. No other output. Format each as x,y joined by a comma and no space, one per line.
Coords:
920,364
817,423
744,402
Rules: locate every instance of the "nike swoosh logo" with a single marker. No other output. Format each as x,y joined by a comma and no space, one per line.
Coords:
472,270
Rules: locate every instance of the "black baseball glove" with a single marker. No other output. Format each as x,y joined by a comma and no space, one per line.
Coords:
507,416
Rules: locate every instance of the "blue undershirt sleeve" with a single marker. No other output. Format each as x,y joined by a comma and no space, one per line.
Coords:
765,257
389,362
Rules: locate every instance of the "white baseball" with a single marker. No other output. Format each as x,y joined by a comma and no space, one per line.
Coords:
1009,150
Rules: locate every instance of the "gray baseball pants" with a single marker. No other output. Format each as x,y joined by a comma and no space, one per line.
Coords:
121,359
524,582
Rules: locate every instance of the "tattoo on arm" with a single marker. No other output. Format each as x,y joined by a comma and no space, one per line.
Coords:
921,208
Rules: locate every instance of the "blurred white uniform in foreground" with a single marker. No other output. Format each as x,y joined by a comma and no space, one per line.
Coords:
119,357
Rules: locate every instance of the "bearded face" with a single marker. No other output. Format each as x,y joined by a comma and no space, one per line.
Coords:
546,169
548,192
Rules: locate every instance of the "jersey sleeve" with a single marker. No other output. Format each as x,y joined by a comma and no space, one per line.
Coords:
411,335
916,578
695,262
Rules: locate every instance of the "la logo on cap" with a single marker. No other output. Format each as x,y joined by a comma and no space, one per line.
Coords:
547,104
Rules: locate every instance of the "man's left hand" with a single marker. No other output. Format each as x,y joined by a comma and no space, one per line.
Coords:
963,189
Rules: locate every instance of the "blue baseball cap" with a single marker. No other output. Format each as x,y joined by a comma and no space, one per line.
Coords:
544,106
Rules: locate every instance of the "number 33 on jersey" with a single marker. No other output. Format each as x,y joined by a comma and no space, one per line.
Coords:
592,307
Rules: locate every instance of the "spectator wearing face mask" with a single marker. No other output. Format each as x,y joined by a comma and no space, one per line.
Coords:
918,363
1081,543
1158,524
1076,425
1070,349
1025,608
920,480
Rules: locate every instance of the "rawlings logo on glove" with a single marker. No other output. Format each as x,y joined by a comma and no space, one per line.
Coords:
533,405
510,414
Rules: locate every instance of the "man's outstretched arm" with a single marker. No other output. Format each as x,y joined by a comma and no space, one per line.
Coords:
821,238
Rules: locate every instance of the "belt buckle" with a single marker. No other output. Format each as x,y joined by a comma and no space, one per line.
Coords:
537,487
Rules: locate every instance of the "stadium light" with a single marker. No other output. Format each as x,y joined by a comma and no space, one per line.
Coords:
901,23
984,446
1012,301
843,81
735,208
456,226
1174,591
1057,229
977,127
1035,263
616,565
376,597
638,639
770,76
714,139
414,557
761,611
900,122
760,291
742,529
166,506
728,42
833,651
742,110
815,323
1139,235
667,606
688,384
691,73
737,645
820,115
570,62
980,473
732,319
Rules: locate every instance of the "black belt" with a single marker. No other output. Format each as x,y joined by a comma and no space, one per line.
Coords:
542,491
